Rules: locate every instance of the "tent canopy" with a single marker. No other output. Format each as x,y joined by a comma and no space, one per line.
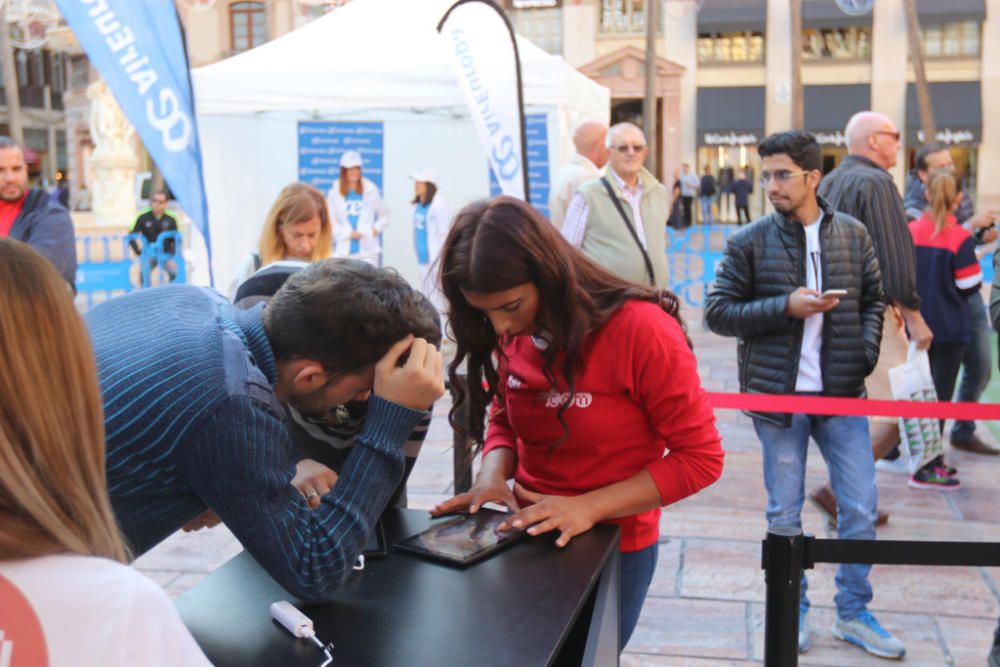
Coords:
374,54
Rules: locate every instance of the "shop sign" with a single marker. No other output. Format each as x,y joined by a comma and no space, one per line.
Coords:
950,136
831,138
730,139
534,4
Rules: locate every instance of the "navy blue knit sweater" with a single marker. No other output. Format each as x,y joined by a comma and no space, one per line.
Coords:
192,423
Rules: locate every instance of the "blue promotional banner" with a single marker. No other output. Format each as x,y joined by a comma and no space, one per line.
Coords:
321,143
538,163
138,48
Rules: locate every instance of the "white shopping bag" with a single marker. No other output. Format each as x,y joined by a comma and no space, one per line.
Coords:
912,381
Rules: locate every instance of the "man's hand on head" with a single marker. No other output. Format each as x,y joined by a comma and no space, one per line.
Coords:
415,384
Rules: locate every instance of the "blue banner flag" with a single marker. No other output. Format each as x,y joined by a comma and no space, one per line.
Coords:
138,48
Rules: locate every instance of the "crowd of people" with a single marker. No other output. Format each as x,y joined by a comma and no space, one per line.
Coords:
294,408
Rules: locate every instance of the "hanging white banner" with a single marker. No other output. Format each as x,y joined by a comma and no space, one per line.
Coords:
484,55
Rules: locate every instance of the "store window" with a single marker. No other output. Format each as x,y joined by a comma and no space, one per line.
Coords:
731,47
854,43
623,16
540,26
952,40
247,25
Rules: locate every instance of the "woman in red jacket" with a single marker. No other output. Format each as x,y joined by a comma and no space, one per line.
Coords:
595,406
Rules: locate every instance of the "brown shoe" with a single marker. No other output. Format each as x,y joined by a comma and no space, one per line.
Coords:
824,500
976,446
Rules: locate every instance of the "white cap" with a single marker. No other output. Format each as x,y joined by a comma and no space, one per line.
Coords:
425,175
350,159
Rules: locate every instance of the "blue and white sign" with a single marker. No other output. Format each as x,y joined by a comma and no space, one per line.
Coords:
538,163
321,143
138,48
484,58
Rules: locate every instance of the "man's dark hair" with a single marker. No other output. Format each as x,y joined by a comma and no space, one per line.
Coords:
928,149
157,193
801,147
346,314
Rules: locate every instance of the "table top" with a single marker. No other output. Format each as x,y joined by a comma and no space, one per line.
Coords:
514,608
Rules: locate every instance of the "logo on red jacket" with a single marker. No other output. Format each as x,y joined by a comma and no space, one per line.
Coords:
555,399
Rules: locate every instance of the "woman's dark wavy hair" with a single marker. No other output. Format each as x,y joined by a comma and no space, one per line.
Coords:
497,244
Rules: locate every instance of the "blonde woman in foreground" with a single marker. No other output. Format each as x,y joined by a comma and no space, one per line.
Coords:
66,596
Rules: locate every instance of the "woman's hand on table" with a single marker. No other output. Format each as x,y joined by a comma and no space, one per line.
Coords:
570,515
487,488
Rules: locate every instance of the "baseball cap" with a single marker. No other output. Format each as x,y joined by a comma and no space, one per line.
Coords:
425,175
350,159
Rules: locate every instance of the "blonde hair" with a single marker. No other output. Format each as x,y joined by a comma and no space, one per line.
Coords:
297,202
53,490
943,190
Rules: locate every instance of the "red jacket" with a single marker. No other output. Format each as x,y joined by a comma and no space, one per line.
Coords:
639,405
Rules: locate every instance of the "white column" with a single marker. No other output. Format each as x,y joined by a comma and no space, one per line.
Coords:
890,51
989,147
680,44
778,58
579,30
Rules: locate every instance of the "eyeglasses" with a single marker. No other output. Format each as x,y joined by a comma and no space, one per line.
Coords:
891,133
780,176
626,148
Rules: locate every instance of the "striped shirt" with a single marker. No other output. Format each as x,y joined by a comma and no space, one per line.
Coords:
864,190
575,226
192,423
947,272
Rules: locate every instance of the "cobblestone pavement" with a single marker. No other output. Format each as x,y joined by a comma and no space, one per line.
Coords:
706,603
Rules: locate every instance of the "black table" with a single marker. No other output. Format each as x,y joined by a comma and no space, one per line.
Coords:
531,604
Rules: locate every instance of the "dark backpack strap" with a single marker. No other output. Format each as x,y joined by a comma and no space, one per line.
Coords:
256,262
631,229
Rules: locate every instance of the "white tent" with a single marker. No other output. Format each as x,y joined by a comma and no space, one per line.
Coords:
379,60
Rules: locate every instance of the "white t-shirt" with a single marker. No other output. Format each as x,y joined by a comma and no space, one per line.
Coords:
84,611
810,376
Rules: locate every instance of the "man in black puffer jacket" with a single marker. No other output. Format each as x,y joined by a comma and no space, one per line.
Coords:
802,290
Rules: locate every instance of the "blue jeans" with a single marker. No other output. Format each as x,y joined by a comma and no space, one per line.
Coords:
846,447
706,210
637,571
976,366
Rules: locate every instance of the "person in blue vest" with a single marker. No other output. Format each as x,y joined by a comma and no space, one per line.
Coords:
359,214
431,219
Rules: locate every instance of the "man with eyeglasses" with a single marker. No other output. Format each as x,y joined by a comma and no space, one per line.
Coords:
618,219
802,291
862,187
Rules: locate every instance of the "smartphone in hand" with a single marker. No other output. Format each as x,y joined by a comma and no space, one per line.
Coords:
833,293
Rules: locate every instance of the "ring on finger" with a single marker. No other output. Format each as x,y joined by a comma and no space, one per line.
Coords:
311,495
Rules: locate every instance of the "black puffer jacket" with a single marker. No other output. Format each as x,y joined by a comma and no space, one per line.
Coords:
763,264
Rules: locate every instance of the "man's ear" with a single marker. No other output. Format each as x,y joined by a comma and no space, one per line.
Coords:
307,375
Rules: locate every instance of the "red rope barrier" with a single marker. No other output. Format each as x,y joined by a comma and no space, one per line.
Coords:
860,407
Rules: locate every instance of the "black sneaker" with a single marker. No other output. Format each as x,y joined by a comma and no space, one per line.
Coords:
934,477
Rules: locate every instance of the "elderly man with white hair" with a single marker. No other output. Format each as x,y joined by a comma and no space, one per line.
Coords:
618,220
585,165
862,187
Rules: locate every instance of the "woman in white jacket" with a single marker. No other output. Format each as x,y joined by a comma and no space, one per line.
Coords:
359,214
431,219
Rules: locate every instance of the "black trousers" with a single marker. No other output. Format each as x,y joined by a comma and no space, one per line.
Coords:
742,212
686,203
946,359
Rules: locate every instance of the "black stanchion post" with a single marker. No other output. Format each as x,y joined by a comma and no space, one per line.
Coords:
783,552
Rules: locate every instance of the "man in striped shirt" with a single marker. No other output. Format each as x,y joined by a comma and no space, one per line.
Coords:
862,187
193,390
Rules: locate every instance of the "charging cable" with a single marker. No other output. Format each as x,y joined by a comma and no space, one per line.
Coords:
299,625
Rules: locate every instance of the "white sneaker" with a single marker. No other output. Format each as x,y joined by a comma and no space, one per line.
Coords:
898,466
868,633
804,642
